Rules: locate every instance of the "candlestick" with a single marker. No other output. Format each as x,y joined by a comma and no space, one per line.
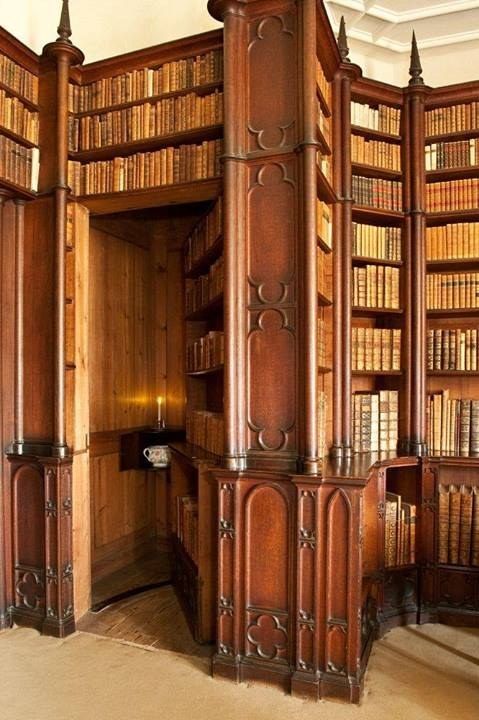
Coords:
161,422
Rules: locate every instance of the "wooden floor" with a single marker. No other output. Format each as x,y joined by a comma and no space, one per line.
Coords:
149,569
153,618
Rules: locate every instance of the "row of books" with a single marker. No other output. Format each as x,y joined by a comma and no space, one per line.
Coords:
187,524
452,195
322,423
324,225
463,153
373,241
453,349
376,349
206,352
375,421
458,525
375,152
381,118
376,286
138,85
448,291
206,430
454,118
18,164
376,192
200,291
322,83
322,346
18,79
204,235
140,122
453,425
169,166
16,117
399,531
452,241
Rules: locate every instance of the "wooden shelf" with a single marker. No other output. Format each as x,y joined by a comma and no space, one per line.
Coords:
203,263
376,172
16,137
324,246
194,454
455,312
325,146
209,371
455,173
181,194
362,260
453,373
323,300
365,213
204,312
17,190
452,216
325,190
212,132
323,102
375,134
459,264
360,310
198,90
453,136
322,370
367,373
399,568
13,93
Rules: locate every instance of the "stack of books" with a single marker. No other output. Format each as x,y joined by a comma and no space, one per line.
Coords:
452,195
461,153
450,291
205,353
458,525
455,241
375,421
452,349
200,291
18,79
147,82
376,349
376,287
451,119
206,429
382,243
400,532
381,118
375,152
453,425
378,193
204,235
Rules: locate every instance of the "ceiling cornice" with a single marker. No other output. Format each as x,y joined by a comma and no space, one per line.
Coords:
406,16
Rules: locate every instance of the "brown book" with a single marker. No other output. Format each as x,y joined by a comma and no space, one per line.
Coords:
443,552
465,525
393,510
475,527
454,523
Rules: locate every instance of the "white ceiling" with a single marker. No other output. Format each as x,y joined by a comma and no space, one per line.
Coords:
379,32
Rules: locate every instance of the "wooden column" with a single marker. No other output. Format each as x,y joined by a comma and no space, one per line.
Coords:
18,436
415,103
64,54
343,276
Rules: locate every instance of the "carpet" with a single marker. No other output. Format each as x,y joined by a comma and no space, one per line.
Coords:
429,672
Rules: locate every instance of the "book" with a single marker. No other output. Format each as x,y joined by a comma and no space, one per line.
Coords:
382,118
454,524
465,525
443,543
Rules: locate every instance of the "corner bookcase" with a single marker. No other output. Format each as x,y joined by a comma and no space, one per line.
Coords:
291,251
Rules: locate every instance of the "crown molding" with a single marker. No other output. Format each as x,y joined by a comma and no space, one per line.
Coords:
406,16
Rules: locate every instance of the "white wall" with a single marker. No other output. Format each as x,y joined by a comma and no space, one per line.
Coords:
102,28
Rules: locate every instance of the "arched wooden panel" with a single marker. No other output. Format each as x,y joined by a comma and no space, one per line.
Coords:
28,521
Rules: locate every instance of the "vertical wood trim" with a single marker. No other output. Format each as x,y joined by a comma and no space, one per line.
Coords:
19,327
307,243
338,264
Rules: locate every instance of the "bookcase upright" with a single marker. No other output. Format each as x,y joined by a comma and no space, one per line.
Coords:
243,227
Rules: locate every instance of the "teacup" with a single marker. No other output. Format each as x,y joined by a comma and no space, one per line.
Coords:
158,455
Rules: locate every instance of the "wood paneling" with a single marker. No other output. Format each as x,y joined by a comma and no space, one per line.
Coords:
122,387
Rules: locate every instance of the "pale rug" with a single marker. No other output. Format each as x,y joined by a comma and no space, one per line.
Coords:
417,673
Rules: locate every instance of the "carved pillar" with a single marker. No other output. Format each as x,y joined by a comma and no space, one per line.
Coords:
64,55
415,108
270,257
342,364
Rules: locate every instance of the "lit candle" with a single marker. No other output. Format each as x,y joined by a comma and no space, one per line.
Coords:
159,400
